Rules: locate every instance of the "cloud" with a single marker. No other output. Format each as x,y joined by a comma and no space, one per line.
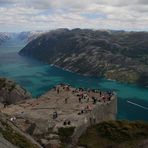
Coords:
16,15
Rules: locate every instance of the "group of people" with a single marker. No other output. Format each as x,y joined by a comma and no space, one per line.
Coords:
91,96
67,122
62,86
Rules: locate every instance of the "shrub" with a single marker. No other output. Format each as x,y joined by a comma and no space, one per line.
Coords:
65,134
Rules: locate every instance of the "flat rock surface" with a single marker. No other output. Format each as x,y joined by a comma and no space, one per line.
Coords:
65,102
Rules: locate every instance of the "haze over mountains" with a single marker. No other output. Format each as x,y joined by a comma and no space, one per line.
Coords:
29,35
25,36
4,36
117,55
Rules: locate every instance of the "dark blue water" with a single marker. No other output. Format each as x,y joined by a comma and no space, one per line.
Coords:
38,78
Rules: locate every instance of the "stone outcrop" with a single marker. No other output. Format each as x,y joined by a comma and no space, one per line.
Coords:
12,137
11,93
101,112
63,107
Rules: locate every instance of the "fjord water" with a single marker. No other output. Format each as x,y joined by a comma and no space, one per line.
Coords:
38,78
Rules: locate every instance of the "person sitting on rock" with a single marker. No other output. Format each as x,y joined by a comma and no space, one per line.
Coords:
55,115
94,100
5,104
64,123
68,122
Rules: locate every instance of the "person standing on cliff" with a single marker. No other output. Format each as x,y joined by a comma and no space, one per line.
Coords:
58,90
66,100
94,119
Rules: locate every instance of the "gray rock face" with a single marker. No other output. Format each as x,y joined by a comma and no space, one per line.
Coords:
5,144
10,92
116,55
12,137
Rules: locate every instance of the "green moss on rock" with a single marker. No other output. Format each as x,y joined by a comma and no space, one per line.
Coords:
15,137
65,134
115,134
122,75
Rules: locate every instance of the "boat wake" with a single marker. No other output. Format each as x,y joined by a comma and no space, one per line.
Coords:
146,108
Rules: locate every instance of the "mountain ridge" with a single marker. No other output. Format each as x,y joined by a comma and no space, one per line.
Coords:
117,55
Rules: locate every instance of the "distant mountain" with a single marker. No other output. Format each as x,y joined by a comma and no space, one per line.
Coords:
12,137
4,36
29,36
24,36
117,55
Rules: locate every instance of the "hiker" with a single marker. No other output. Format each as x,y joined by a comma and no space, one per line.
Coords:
12,119
94,100
82,110
5,104
68,122
87,107
94,120
85,120
87,98
55,115
58,90
109,98
100,93
90,119
80,100
66,100
103,97
64,123
67,88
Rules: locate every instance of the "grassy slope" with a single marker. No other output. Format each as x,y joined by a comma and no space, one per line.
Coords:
14,137
115,134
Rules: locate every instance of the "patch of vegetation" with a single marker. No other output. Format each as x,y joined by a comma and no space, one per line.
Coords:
2,83
123,75
115,134
14,137
12,87
121,131
65,134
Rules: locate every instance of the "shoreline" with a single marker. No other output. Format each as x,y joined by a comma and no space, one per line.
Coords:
93,76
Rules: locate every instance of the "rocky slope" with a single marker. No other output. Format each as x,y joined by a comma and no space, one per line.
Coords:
12,137
10,92
116,55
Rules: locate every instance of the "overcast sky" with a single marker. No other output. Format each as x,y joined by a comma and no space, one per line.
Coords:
19,15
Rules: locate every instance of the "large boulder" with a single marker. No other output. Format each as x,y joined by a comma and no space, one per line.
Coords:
10,92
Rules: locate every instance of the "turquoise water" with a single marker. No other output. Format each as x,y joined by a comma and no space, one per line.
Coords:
38,78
